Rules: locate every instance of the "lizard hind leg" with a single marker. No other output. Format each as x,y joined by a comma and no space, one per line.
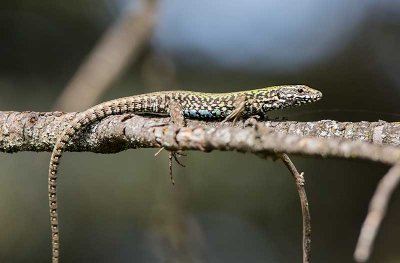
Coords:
177,117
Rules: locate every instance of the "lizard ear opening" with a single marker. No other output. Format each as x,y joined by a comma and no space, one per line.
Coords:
266,107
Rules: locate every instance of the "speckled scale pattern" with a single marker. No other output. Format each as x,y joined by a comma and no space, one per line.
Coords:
206,106
194,104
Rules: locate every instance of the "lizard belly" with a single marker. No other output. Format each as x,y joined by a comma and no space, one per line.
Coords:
207,113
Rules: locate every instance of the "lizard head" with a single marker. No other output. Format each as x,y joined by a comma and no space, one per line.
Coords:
279,97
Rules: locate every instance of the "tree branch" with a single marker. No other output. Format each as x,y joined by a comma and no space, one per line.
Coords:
37,131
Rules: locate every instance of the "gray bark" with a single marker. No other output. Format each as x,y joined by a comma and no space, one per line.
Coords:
38,131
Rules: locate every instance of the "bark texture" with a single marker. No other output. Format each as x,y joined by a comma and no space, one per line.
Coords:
37,131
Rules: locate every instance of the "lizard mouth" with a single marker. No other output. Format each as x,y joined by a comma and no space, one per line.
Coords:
307,98
317,96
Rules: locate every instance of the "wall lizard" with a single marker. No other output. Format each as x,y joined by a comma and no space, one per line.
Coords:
178,105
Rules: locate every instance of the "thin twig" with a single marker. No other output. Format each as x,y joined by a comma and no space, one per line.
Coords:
376,213
119,45
300,182
171,175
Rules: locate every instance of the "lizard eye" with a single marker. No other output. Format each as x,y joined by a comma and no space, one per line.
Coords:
300,90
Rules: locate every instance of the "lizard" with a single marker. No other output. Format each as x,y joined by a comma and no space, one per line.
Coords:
178,105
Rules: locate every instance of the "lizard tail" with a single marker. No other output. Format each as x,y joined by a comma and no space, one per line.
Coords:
81,121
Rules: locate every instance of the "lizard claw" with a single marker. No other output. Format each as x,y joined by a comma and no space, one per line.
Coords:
180,154
176,155
172,156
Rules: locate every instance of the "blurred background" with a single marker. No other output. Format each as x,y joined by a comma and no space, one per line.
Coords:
225,207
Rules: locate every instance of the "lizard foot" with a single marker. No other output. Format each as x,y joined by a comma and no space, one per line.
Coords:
252,121
172,156
175,156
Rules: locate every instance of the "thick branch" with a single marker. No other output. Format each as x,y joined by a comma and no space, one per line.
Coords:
37,131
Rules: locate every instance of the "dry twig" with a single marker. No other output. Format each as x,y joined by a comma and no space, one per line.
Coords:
120,44
300,183
376,213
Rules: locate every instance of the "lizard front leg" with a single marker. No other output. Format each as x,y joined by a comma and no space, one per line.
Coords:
239,105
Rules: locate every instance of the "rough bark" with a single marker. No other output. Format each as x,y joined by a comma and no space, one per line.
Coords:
37,131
